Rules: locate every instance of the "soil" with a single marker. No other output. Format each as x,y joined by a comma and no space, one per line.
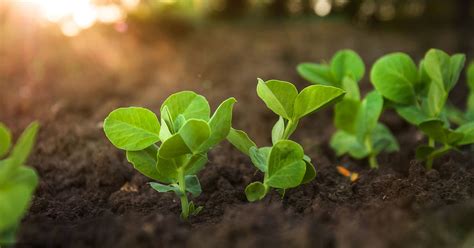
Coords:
89,196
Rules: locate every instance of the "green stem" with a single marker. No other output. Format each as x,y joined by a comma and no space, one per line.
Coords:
373,161
429,161
290,128
184,197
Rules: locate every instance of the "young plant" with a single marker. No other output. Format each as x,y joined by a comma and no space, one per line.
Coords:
17,181
419,96
359,134
175,151
284,164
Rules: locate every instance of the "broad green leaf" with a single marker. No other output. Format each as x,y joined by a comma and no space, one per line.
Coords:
278,130
195,164
173,147
188,104
168,169
255,191
456,63
454,114
194,133
145,162
192,185
412,114
240,140
352,88
15,197
166,129
470,76
395,76
368,114
24,145
220,124
347,63
317,73
279,96
286,167
468,131
166,188
436,64
132,128
259,157
345,114
179,122
315,97
383,140
342,143
310,172
435,101
5,139
436,130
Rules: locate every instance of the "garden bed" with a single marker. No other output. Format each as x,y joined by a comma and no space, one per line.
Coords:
89,196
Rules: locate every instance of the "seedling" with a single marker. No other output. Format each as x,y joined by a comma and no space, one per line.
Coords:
359,134
284,164
175,151
419,96
17,181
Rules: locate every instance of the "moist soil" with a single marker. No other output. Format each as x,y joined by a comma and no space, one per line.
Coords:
89,196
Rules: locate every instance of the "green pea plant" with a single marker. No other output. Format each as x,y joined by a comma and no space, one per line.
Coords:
419,95
359,133
456,115
173,152
17,181
283,164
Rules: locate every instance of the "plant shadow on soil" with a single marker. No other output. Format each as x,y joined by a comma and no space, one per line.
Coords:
89,196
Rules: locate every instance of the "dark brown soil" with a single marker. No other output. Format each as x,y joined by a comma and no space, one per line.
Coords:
89,196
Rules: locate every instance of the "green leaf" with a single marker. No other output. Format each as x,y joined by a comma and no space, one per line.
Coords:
132,129
343,142
310,172
470,76
352,88
468,131
436,64
145,162
456,63
347,63
413,114
5,139
279,96
167,126
255,191
259,157
193,210
315,97
317,73
15,197
383,140
286,167
168,169
368,114
470,82
220,124
196,163
278,130
173,147
240,140
166,188
188,104
345,115
192,185
194,133
395,76
24,145
436,130
435,101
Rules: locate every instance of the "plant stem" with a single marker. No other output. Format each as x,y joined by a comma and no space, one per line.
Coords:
429,161
184,197
373,161
290,128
